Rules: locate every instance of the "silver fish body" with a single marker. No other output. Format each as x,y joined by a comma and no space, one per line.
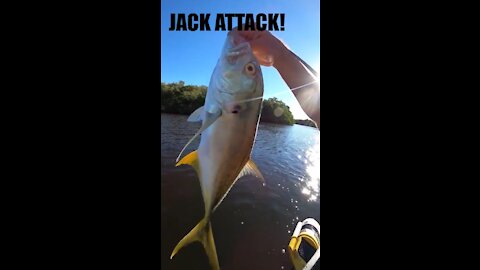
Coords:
230,119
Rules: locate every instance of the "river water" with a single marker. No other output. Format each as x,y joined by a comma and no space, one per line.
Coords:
253,225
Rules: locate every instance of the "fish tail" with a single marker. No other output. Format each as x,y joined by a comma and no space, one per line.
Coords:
203,233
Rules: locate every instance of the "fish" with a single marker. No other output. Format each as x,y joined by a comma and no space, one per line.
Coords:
227,135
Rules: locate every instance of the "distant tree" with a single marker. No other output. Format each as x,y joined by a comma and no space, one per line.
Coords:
305,122
180,98
276,111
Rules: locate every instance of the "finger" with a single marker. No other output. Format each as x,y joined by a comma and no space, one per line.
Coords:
242,36
265,61
247,34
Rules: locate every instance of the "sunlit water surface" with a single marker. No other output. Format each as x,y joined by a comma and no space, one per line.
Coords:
253,225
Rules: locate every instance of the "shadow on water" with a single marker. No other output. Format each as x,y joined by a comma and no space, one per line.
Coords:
253,225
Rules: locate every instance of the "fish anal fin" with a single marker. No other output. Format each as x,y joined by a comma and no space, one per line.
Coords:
196,116
251,169
190,159
202,233
188,143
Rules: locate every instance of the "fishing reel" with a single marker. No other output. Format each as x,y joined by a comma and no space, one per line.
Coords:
304,246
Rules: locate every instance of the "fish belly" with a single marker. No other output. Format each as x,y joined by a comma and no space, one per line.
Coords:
224,150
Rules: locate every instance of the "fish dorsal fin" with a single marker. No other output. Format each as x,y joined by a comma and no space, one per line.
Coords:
208,121
190,159
196,116
251,169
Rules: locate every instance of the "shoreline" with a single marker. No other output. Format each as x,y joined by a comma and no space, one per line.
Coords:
297,121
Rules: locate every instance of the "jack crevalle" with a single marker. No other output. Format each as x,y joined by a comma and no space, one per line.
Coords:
229,127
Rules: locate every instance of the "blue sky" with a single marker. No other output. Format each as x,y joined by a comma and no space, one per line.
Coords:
191,56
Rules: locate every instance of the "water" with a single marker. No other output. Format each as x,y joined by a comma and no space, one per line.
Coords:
253,225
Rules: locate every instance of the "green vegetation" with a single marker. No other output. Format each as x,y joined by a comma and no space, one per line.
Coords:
180,98
275,111
306,122
184,99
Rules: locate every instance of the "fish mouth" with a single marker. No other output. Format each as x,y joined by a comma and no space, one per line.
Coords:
240,48
234,53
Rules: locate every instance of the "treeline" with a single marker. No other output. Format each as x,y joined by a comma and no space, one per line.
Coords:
184,99
180,98
275,111
306,122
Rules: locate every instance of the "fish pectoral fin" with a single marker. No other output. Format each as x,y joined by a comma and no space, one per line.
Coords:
251,169
203,233
196,116
213,114
190,159
208,121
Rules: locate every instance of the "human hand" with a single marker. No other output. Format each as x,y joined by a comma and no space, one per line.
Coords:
266,47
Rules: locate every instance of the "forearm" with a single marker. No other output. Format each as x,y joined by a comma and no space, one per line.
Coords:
295,74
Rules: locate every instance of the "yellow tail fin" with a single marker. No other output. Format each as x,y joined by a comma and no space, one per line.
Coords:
203,233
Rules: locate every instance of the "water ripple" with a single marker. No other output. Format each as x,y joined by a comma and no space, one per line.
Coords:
289,159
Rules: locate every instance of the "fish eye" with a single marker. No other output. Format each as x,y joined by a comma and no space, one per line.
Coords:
250,69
